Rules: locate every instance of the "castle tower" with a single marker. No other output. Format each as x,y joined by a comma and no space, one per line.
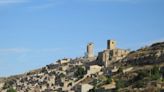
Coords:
90,52
111,44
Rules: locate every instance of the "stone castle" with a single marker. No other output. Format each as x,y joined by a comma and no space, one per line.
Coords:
90,52
109,55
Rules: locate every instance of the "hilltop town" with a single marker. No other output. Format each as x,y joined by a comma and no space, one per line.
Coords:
112,70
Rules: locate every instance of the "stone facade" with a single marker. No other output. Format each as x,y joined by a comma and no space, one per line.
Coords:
127,69
94,69
64,61
111,44
1,85
90,52
83,88
111,54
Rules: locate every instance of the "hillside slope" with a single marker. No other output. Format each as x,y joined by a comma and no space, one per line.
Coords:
141,70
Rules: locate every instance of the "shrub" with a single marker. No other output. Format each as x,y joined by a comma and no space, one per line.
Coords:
142,75
11,90
108,80
120,70
8,84
155,73
120,84
140,84
62,75
80,72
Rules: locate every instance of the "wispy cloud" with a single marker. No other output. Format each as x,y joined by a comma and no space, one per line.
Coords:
51,3
7,2
25,50
114,0
50,50
111,1
42,6
13,50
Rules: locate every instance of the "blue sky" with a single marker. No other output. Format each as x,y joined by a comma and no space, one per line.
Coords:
34,33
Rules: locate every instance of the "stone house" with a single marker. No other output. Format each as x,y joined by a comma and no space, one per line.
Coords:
64,61
83,88
94,69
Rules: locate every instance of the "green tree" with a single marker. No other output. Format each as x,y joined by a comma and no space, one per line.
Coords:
8,84
80,72
162,71
120,70
120,84
62,75
11,90
140,84
142,75
155,73
108,80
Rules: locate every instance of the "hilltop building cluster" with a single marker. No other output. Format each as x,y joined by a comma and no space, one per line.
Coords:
109,55
72,75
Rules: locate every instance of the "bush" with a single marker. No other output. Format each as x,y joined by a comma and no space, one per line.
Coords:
120,84
8,84
108,80
80,72
120,70
155,73
155,70
142,75
11,90
140,84
62,75
162,73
